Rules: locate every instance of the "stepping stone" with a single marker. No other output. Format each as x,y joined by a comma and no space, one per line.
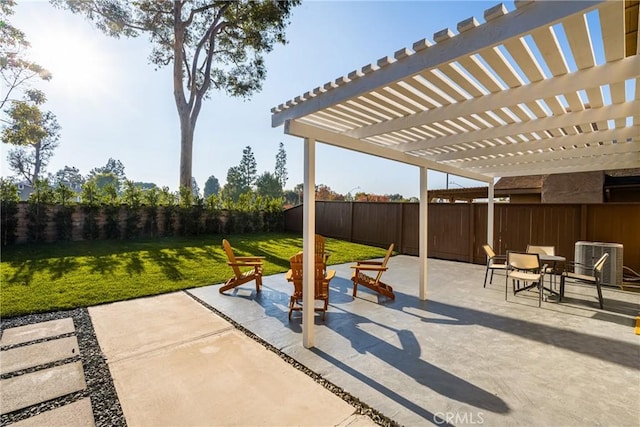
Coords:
36,331
74,414
36,387
38,354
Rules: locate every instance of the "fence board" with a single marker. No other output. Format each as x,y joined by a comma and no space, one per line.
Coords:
458,231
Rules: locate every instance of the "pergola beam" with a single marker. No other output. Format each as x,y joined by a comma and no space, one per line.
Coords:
303,130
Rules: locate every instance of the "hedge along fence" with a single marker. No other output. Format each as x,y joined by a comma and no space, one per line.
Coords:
32,222
42,220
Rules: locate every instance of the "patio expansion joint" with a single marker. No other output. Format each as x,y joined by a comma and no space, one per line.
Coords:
171,345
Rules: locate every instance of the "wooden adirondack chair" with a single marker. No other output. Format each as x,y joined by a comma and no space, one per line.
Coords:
240,277
322,279
374,283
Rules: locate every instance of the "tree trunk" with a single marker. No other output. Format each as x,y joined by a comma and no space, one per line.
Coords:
186,149
37,163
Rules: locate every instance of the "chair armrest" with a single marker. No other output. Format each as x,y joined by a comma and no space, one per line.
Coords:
330,275
370,267
249,258
245,264
289,275
369,262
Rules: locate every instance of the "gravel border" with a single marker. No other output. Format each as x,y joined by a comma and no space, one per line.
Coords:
100,389
361,407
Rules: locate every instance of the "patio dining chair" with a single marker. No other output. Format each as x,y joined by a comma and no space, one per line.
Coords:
322,277
595,278
544,250
241,277
494,262
526,268
373,282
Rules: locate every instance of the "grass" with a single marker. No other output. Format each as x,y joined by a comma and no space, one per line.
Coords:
48,277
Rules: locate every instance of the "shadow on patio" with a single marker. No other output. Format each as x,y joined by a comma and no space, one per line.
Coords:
464,356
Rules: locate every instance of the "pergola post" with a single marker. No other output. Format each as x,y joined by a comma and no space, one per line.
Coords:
308,245
490,215
423,230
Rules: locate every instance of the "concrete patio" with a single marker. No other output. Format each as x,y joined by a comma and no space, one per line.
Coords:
465,356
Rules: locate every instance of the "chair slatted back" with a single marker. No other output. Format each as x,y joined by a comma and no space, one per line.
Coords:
542,250
384,262
489,251
523,261
231,256
297,274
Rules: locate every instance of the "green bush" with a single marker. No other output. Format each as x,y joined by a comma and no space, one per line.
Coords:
9,199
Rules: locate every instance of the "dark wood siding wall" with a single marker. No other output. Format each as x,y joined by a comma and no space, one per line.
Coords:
458,231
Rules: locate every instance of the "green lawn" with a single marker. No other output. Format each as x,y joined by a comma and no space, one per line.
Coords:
47,277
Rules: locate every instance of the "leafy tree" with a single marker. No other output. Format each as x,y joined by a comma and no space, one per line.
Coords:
268,185
104,180
36,136
281,166
291,197
248,168
16,70
111,173
113,166
212,186
68,176
234,186
324,192
145,186
209,44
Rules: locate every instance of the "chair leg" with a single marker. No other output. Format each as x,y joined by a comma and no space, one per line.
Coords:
491,279
355,288
600,294
561,294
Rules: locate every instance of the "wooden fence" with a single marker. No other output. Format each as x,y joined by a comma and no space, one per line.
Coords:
457,231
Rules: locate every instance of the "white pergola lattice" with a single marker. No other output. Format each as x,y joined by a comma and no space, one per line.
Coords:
502,98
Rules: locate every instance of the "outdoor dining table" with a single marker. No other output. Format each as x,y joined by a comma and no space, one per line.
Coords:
553,259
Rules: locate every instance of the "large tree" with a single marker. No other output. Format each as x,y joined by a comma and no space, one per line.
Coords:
35,135
248,168
16,69
210,45
268,185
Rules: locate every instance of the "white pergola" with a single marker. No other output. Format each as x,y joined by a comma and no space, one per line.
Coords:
502,98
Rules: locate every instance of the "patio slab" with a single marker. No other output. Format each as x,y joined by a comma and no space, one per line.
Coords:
35,387
180,364
37,331
38,354
74,414
464,356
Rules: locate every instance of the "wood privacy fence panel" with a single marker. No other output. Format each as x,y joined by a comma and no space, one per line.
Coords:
458,231
618,224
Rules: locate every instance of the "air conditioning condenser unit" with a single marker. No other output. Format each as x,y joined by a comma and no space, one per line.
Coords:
587,253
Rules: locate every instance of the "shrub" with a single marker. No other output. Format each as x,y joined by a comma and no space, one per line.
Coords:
9,199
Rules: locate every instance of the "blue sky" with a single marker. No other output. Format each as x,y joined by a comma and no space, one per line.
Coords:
111,102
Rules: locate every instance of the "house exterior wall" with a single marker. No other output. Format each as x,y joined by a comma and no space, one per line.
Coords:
583,187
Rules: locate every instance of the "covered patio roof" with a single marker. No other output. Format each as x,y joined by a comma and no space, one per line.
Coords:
501,98
551,87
